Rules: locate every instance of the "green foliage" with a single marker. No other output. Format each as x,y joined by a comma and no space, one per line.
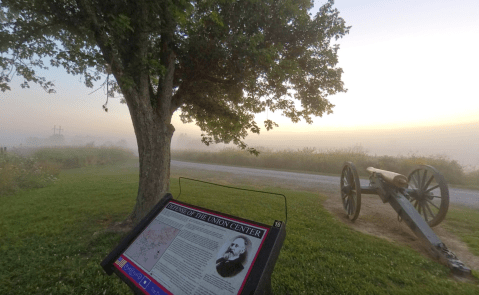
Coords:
472,179
331,161
42,167
19,173
49,242
73,157
220,62
265,52
217,62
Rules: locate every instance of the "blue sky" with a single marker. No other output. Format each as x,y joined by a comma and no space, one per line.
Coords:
409,66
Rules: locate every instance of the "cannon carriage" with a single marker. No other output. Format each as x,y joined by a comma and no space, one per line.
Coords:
421,200
425,188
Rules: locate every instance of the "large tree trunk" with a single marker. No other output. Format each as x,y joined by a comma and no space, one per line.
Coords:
151,114
154,155
153,131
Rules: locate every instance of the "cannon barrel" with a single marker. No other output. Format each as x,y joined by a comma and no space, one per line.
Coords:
393,178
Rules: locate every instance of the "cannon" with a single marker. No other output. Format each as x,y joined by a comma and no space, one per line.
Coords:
421,200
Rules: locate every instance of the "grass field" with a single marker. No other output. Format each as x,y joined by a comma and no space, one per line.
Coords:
48,243
464,222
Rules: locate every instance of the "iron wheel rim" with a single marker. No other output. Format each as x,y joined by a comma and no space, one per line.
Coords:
430,194
350,191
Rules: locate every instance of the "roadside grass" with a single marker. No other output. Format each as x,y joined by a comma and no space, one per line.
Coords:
464,222
51,240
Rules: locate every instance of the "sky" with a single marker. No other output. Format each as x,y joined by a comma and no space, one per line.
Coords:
411,69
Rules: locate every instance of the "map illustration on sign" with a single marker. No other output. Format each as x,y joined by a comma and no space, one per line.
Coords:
151,244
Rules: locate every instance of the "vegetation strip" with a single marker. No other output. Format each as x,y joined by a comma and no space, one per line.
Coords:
331,161
29,168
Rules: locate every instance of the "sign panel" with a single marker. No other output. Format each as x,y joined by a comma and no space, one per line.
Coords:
187,250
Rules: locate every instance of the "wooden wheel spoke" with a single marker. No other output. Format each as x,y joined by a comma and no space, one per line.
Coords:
423,180
350,177
352,206
416,182
429,209
424,213
429,181
433,204
345,179
429,194
418,179
432,188
350,191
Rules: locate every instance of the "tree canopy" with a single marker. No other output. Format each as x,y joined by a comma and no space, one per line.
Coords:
217,62
232,58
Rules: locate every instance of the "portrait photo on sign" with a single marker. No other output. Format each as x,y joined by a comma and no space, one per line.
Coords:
233,256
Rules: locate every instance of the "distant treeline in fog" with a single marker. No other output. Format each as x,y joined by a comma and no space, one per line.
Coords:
77,141
331,161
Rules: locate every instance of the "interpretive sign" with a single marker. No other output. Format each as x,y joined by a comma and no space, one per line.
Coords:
183,249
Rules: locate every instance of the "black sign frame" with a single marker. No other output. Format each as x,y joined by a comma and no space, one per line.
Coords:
258,280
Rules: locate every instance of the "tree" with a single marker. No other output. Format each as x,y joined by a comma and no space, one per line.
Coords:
218,62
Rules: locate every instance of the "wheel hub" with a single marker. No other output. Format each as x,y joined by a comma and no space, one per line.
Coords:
347,189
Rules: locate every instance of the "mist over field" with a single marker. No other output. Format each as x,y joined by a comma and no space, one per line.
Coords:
13,140
459,142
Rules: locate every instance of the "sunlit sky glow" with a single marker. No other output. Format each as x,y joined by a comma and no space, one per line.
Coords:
408,65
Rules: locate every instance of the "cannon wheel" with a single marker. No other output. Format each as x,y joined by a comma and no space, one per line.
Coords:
430,194
350,191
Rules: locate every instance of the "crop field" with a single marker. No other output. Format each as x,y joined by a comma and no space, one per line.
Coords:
52,239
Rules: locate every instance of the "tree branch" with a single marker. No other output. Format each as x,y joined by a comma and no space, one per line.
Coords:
165,85
216,80
101,38
177,99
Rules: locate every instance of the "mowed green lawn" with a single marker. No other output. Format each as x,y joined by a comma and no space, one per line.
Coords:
48,243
